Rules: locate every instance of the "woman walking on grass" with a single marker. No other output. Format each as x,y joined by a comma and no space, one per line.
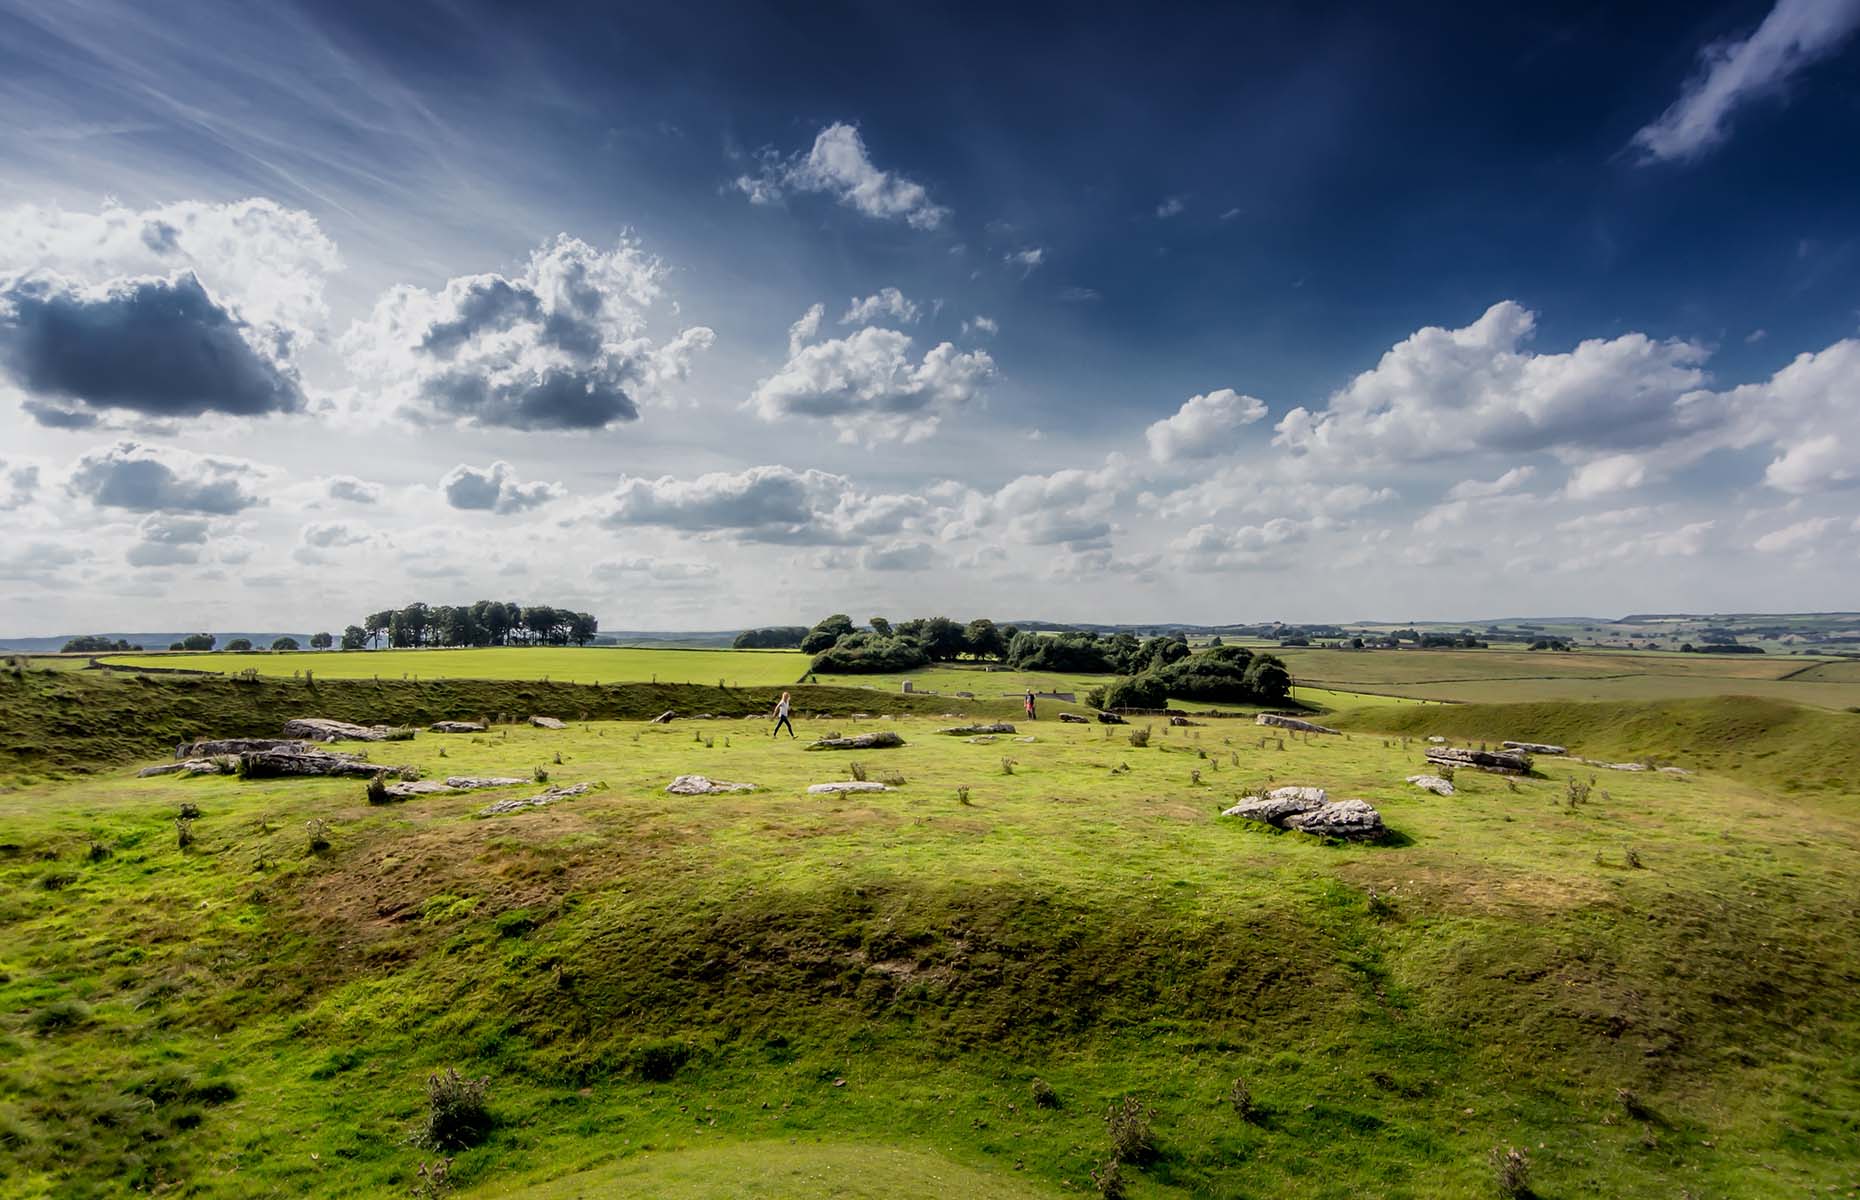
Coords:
781,717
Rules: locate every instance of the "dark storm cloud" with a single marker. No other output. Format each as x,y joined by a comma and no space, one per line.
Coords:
157,347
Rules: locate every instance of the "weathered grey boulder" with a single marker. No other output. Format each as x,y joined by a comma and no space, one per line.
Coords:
1275,810
322,729
970,730
698,785
1281,721
1436,739
843,786
547,723
472,783
537,801
859,717
1535,748
983,740
1502,762
419,787
1351,820
208,749
1179,722
884,739
1028,738
1074,719
1608,766
1111,718
1432,783
455,727
664,718
192,766
274,764
1315,795
1674,771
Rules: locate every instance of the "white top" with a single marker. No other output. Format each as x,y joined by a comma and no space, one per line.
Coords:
781,708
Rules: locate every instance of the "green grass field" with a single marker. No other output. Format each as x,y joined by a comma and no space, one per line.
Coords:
590,664
774,993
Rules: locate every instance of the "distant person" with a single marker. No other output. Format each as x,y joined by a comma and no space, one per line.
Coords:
781,716
1030,714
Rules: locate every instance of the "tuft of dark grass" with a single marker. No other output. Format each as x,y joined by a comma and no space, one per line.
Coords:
1043,1094
458,1114
1140,737
1108,1178
59,1016
1240,1097
316,829
377,789
184,832
1127,1124
1511,1172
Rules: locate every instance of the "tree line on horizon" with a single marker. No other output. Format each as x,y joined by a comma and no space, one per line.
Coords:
484,623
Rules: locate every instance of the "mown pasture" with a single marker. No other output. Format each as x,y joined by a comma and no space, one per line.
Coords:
568,664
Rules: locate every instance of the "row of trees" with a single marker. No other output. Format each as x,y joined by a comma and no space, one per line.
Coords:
1231,674
96,643
839,647
776,637
486,623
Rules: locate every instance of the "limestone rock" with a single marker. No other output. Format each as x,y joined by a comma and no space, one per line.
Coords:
1281,721
970,730
547,723
1179,722
455,727
419,787
1432,783
1351,820
699,785
537,801
322,729
1535,747
1436,739
1502,762
192,766
1074,719
1028,738
884,739
1314,795
983,740
208,749
1111,718
274,764
471,783
1674,771
843,786
664,718
1275,810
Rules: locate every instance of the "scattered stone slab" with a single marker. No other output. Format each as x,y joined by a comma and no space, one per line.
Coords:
860,717
537,801
472,783
1028,738
1281,721
1311,795
1536,747
1432,783
1502,762
547,723
456,727
970,730
1074,719
983,740
884,739
844,786
699,785
1111,718
1179,722
963,695
664,718
208,749
275,764
1674,771
192,766
1350,820
419,787
323,729
1273,810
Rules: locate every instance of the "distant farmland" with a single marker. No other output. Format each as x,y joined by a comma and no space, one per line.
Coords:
738,668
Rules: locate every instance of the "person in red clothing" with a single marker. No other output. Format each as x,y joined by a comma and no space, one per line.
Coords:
1030,715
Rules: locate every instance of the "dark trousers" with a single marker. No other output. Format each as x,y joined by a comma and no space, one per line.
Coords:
779,722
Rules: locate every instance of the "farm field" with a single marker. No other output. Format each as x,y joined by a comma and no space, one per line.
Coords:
568,664
1505,676
773,992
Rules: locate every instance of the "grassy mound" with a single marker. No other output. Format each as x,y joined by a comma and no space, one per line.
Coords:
66,721
1650,992
1788,747
785,1171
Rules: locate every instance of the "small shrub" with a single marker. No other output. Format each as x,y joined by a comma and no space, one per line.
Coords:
1576,791
894,780
1194,777
188,811
558,757
1140,737
316,829
657,1061
1240,1096
56,881
1446,772
433,1179
1127,1122
442,754
1007,765
710,743
1633,859
858,771
1633,1104
457,1115
97,852
962,795
1511,1171
60,1015
540,775
403,733
1109,1180
377,789
184,832
1043,1095
1380,906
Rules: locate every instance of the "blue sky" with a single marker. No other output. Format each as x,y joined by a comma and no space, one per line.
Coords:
1287,311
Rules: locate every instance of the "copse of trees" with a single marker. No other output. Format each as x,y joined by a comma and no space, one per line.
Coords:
1232,674
841,648
321,641
194,641
239,646
485,623
286,643
871,654
776,637
96,643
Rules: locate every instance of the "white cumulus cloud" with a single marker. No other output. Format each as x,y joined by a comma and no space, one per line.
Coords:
871,386
1205,426
838,165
